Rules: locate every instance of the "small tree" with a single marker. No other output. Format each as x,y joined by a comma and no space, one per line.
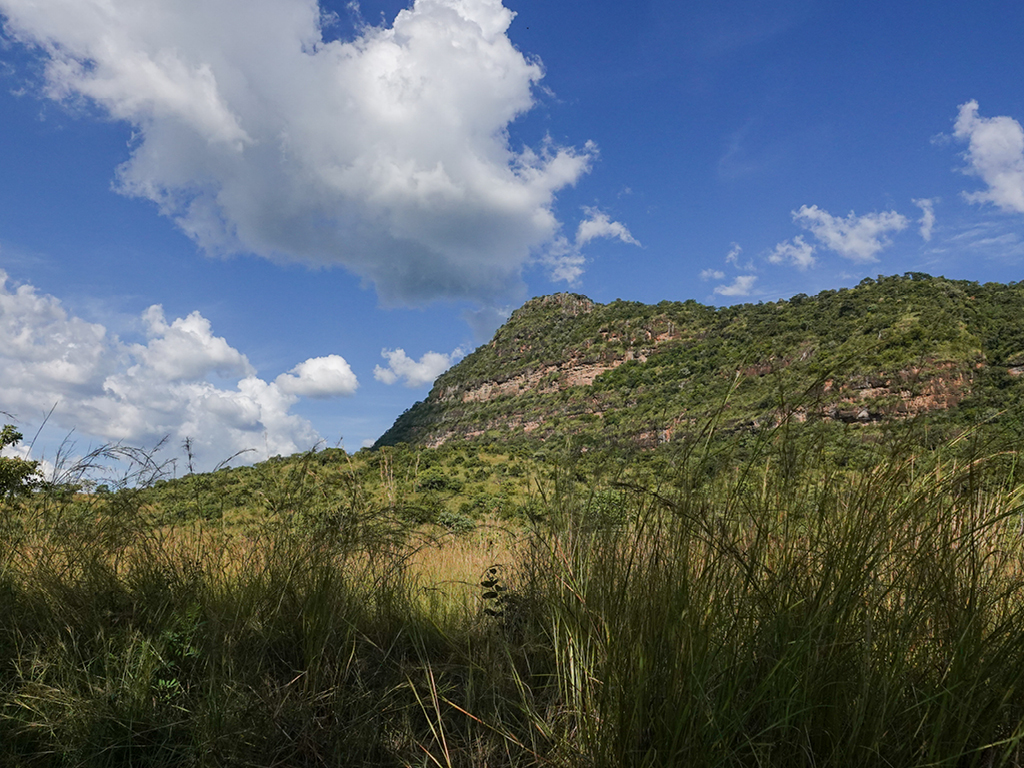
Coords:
16,474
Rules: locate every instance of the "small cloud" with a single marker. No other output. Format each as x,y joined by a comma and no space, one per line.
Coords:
795,252
415,373
565,259
927,220
995,153
600,225
319,378
741,286
712,274
734,254
858,238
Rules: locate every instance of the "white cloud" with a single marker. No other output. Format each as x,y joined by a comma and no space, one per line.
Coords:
598,224
741,286
712,274
564,262
927,220
858,238
565,259
319,377
187,349
795,252
734,254
139,393
415,373
388,154
995,153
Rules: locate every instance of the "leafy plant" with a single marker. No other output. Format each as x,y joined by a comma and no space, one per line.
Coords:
17,475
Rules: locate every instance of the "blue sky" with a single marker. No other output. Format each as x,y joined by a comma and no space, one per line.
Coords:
263,224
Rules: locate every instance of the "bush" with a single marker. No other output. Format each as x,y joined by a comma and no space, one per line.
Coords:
456,522
16,475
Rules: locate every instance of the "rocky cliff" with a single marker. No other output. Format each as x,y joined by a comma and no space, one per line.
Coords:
893,349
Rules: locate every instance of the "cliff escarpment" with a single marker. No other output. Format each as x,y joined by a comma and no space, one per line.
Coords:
889,350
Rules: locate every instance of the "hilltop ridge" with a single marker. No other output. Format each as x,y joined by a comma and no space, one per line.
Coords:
893,349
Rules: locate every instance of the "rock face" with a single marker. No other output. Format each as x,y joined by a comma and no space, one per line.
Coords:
550,379
891,349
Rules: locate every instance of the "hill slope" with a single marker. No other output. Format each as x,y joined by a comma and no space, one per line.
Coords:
889,350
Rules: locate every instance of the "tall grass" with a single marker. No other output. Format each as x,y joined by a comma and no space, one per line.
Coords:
785,613
873,619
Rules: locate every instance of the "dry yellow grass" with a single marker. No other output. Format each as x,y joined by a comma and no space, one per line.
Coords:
450,567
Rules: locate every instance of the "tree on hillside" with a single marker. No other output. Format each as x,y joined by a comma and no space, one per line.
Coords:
16,474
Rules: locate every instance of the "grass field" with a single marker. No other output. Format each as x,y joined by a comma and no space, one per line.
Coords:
784,612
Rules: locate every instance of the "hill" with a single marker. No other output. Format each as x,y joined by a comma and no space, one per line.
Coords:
907,348
840,600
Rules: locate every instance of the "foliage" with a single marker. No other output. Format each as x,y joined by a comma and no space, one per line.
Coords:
17,475
891,349
756,603
776,583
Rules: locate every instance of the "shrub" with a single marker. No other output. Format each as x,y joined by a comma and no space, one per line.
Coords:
16,474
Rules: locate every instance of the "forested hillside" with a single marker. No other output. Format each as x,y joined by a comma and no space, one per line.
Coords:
910,348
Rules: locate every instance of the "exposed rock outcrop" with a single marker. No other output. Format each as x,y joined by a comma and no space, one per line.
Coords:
889,350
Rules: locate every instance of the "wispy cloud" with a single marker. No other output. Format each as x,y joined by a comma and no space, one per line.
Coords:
598,224
795,252
995,153
859,238
743,285
565,259
734,254
927,220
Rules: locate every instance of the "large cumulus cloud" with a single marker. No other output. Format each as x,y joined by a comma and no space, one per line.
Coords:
388,153
995,154
181,382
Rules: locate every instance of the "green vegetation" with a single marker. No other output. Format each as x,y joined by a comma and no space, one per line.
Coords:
712,558
449,484
763,606
946,352
16,475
